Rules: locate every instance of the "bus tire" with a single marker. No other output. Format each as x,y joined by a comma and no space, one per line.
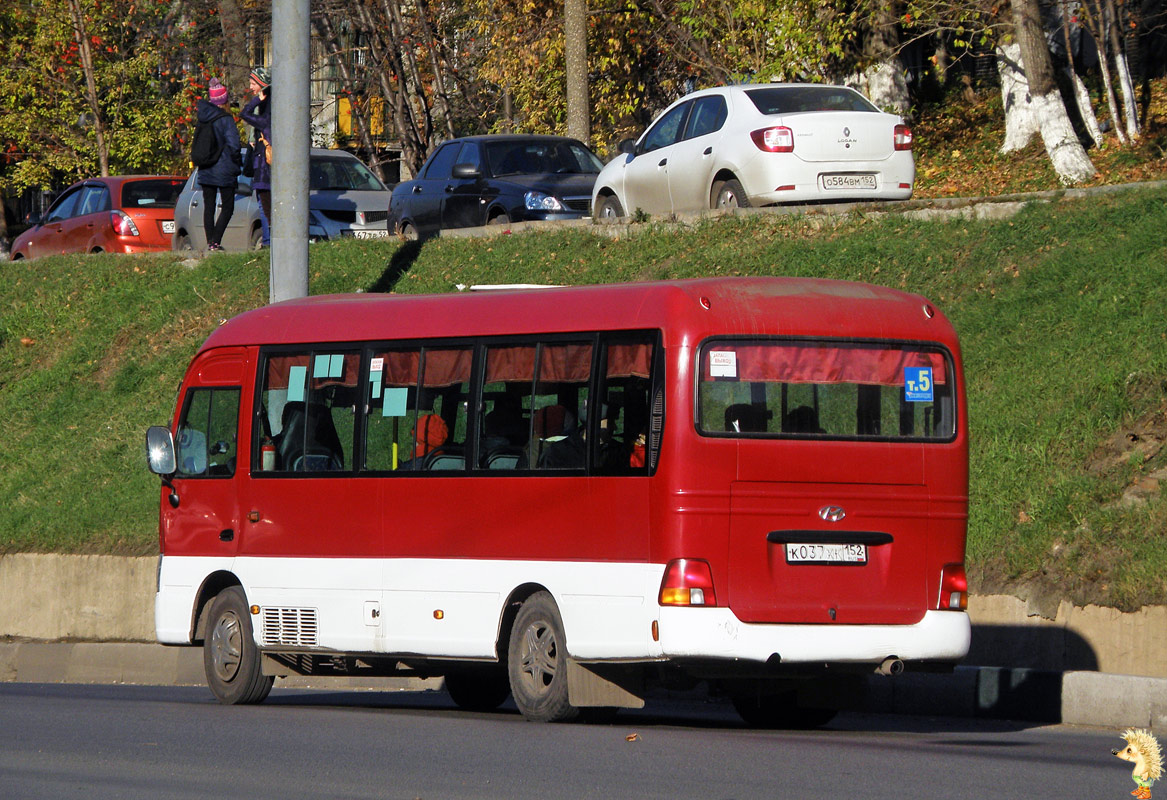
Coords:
230,657
780,711
478,689
537,662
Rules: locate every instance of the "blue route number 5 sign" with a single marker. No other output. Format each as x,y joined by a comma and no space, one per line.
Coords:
918,384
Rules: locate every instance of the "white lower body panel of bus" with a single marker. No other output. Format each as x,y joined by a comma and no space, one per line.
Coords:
453,608
717,633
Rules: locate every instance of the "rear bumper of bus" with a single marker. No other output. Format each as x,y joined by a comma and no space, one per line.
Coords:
716,633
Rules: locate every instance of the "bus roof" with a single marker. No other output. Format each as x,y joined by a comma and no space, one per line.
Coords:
687,311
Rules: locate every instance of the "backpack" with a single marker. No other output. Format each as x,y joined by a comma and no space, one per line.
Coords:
205,148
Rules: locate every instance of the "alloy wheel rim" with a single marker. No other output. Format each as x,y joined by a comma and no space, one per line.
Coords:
537,657
226,647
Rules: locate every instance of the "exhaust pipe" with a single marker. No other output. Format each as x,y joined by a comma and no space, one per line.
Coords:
890,666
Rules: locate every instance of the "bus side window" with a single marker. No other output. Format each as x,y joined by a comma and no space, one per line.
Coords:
392,409
623,425
309,399
207,438
444,393
558,405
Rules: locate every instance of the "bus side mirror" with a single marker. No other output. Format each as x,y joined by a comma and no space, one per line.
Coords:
160,451
160,458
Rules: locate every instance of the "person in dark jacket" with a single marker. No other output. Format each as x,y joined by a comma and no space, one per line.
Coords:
257,114
220,178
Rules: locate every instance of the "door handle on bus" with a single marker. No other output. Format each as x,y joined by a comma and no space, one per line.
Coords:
226,535
829,537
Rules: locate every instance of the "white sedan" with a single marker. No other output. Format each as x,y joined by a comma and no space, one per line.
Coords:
758,145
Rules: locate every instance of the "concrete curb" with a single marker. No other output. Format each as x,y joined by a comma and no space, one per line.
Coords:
1081,698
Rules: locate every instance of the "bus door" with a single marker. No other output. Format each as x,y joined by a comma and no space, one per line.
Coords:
205,522
830,507
312,526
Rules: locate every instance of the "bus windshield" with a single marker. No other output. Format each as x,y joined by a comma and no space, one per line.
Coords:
825,389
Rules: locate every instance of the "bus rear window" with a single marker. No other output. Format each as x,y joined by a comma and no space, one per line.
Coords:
825,389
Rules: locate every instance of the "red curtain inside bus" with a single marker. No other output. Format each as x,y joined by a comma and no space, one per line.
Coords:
815,363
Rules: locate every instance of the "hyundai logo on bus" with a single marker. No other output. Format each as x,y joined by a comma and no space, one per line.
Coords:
832,513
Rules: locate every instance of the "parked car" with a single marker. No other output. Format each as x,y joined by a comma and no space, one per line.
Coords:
758,145
122,214
345,198
488,180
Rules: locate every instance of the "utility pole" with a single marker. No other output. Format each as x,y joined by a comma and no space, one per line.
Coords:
575,35
290,144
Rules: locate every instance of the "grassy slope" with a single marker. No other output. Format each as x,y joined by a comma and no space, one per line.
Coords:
1059,309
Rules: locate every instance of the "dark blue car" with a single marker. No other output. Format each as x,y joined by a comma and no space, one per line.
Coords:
495,180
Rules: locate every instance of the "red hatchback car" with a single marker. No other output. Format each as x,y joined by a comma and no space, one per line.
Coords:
123,214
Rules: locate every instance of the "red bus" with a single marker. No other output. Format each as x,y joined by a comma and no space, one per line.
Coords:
570,495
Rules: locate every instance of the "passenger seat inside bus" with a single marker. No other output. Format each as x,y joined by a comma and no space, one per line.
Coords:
307,441
747,418
559,442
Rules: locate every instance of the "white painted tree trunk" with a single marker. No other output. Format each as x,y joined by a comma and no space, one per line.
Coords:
1026,114
1061,141
1020,121
1129,104
884,85
1086,108
1111,100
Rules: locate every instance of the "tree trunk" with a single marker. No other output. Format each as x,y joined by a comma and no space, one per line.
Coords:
1065,152
1125,84
232,22
883,81
575,31
1020,121
1085,107
82,38
1081,93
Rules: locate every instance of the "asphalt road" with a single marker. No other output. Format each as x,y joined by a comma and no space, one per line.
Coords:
64,741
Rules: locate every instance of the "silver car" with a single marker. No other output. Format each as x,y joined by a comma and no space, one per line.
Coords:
345,198
757,145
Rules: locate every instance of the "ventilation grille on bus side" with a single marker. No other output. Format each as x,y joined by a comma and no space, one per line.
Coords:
289,627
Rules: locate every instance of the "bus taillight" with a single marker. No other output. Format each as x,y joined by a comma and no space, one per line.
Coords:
953,587
687,582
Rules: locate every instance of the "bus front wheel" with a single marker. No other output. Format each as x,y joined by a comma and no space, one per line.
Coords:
230,657
537,662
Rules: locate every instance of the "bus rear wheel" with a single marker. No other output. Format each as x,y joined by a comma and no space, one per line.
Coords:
230,658
537,662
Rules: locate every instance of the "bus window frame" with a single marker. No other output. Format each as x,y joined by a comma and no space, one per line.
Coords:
926,346
259,410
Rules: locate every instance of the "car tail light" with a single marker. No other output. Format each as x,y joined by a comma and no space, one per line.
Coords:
687,582
122,224
779,139
902,137
953,587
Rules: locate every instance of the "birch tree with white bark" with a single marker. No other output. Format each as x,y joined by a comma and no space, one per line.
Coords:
1028,89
